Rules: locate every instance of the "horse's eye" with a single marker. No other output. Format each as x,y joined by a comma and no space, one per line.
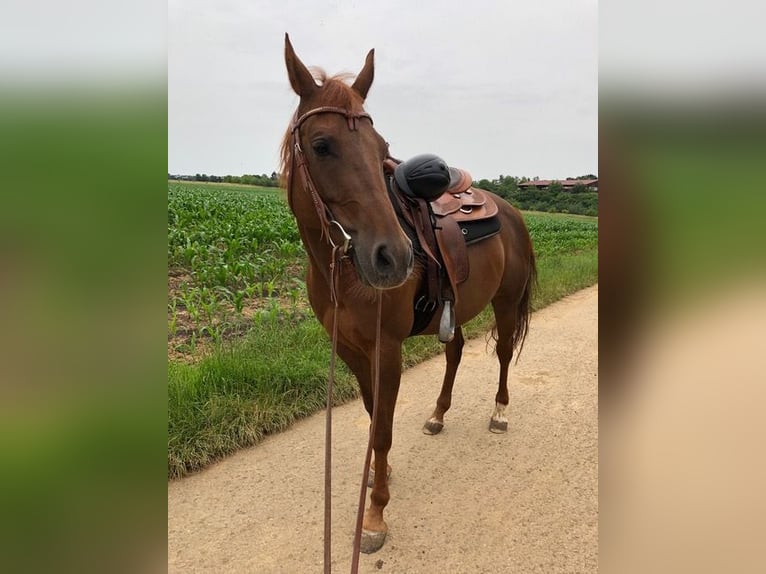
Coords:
321,147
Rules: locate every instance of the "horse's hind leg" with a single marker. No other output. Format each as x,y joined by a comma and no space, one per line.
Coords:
454,352
505,318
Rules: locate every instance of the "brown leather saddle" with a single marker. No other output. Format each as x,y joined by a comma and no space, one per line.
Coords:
442,220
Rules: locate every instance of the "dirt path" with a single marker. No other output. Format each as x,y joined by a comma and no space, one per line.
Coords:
464,501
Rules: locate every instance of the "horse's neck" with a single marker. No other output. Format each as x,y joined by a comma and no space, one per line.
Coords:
317,248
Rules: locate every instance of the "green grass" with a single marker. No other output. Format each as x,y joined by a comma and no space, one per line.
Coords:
558,276
272,368
255,386
567,254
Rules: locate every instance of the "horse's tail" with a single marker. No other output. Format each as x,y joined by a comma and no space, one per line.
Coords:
524,308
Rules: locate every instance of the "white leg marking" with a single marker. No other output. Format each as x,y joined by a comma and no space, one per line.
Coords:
499,414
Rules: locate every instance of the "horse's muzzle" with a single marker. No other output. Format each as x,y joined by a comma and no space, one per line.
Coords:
387,265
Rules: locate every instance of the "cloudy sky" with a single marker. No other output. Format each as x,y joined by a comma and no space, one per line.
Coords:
496,87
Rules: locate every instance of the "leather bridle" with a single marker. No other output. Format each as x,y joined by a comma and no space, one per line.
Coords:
326,221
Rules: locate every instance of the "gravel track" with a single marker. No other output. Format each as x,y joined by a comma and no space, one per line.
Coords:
463,501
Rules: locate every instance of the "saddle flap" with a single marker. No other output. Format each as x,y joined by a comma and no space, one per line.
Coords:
454,252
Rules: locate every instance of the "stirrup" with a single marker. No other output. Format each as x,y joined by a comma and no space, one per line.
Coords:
447,323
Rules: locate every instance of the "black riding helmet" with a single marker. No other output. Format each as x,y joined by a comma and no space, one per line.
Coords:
425,175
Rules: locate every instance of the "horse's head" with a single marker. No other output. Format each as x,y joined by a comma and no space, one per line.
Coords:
343,180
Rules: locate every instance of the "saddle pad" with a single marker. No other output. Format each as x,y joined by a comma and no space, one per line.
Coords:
475,231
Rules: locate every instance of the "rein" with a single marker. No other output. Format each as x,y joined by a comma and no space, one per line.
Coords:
339,251
368,454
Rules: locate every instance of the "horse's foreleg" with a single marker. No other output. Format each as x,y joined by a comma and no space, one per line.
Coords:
360,366
453,352
374,527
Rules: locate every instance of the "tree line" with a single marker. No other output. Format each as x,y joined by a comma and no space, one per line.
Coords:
262,180
579,200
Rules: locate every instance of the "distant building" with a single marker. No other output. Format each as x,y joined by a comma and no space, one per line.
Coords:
567,184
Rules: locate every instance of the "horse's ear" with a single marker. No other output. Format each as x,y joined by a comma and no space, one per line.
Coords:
364,79
300,78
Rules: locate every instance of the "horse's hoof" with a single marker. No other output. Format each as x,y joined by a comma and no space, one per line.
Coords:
497,426
433,427
372,541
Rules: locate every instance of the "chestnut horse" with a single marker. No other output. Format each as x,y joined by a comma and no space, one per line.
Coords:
332,166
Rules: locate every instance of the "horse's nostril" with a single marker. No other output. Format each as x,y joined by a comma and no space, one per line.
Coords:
384,261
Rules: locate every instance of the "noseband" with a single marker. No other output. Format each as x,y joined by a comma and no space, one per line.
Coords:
326,218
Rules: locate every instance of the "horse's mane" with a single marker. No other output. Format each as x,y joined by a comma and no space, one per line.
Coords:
336,92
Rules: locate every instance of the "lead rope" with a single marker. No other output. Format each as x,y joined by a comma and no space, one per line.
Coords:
368,455
326,220
334,264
